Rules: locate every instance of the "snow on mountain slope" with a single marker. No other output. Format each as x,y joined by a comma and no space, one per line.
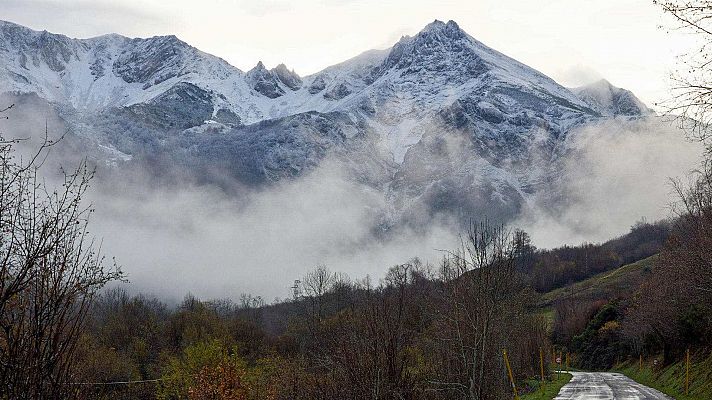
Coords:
402,88
114,71
609,100
440,122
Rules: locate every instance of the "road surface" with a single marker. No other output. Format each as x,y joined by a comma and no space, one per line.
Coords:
606,386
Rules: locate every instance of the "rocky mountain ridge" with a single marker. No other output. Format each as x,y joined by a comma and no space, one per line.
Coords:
440,123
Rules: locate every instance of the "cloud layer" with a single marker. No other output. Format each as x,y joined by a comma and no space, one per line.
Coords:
619,173
180,237
198,239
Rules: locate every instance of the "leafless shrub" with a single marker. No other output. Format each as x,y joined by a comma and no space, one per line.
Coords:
50,269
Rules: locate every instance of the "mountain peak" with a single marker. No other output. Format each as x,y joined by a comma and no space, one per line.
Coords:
287,77
609,100
264,82
602,84
437,25
438,47
450,30
282,69
259,66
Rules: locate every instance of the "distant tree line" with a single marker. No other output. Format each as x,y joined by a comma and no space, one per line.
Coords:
423,332
555,268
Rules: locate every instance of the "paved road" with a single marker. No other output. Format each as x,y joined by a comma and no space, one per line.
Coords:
606,386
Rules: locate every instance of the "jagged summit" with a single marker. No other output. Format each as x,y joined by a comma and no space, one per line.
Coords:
432,48
444,53
287,77
437,26
264,81
273,83
451,27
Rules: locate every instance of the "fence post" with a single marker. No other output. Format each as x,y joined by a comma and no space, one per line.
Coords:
541,363
567,362
509,371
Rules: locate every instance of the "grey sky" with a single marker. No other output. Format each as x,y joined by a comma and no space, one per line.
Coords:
573,41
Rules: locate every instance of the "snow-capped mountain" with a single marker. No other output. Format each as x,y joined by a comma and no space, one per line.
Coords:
439,122
611,101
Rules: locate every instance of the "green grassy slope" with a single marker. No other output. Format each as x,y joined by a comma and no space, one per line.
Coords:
623,280
671,379
548,390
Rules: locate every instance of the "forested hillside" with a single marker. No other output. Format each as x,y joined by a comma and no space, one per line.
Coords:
426,331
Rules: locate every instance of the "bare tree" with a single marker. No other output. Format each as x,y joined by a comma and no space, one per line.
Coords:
691,244
664,309
315,285
691,100
371,345
484,309
50,269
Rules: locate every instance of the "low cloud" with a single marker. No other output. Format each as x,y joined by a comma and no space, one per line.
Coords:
184,237
198,239
577,75
82,18
620,172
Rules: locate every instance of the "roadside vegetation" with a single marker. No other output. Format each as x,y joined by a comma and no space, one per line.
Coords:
660,308
670,379
547,390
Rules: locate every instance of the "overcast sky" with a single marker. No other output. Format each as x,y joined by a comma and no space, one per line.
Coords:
573,41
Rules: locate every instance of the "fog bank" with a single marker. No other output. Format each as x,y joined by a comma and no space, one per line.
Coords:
620,172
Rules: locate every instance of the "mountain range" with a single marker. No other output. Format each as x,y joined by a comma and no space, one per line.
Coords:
440,124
